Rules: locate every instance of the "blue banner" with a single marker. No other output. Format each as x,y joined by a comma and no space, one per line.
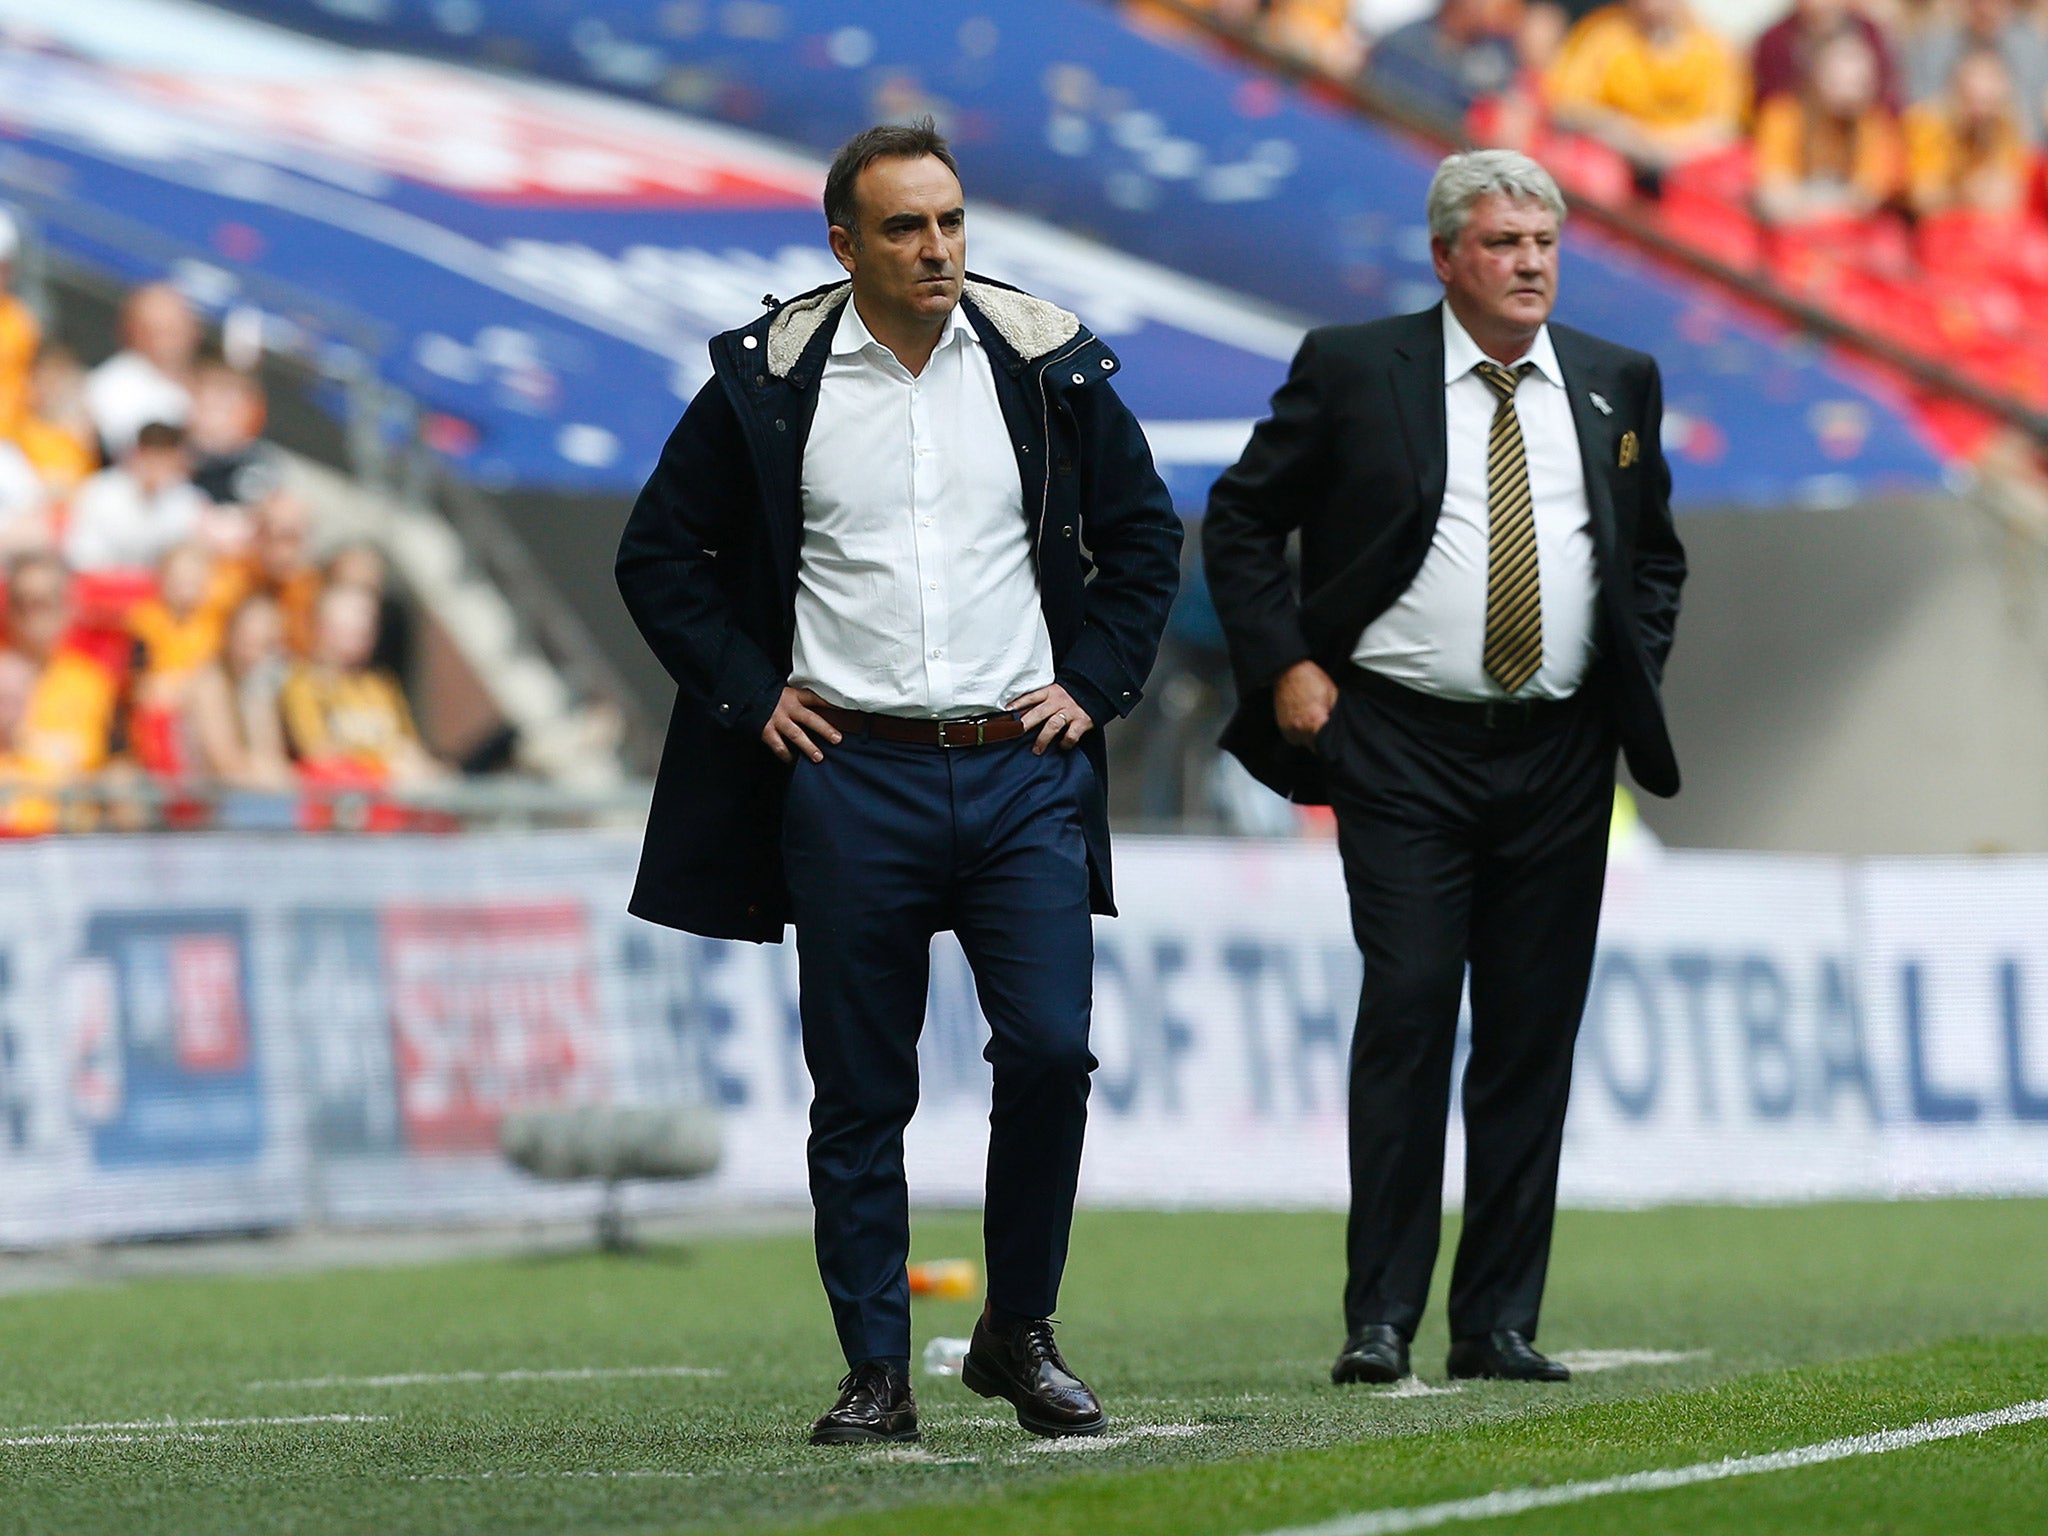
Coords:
1059,108
541,268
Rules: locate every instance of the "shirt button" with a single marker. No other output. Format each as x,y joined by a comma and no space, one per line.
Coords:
927,522
935,586
937,654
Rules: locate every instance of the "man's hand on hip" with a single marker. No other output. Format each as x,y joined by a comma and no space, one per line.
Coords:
786,731
1303,697
1054,708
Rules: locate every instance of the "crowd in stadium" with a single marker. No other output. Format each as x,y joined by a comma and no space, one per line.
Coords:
1881,157
166,621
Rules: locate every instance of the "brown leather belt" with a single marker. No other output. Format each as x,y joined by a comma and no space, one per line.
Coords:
981,731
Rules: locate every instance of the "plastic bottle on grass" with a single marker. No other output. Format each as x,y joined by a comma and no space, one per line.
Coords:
942,1357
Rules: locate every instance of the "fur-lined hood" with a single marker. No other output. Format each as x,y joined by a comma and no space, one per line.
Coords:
1033,328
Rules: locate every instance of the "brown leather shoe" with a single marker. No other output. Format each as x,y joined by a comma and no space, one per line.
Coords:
1020,1363
874,1404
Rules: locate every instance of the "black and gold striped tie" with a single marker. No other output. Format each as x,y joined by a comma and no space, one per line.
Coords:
1514,597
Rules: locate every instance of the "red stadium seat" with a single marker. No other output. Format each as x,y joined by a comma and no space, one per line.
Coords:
1712,226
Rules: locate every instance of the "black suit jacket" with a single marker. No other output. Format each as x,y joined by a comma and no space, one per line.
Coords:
1353,458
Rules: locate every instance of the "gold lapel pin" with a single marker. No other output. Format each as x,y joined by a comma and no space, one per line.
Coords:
1631,450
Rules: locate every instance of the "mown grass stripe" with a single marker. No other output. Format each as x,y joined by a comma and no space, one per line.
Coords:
1516,1501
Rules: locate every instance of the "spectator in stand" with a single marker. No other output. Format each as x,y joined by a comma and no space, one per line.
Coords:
56,432
24,503
130,515
1833,151
176,632
234,723
343,717
1318,32
1649,81
231,462
279,564
20,333
1783,60
17,686
363,565
67,727
1965,150
1932,60
150,379
1441,65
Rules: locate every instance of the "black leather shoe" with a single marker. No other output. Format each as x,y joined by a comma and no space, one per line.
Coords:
874,1404
1503,1355
1376,1353
1019,1363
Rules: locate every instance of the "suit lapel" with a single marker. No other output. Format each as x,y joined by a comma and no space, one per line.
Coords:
1596,436
1418,369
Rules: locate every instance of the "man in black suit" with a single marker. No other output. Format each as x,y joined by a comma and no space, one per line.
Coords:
1487,589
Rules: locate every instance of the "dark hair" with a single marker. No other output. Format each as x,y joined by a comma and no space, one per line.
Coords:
913,140
160,434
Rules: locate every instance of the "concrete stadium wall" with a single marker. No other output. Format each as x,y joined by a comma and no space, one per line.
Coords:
1868,680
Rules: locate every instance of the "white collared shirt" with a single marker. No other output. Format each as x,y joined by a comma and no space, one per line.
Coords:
1434,636
116,525
916,591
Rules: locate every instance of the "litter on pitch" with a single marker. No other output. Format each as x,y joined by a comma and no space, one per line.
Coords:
943,1357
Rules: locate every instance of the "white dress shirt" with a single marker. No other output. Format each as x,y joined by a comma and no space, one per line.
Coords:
916,593
1434,636
115,525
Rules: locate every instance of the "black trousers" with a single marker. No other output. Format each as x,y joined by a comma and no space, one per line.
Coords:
1464,844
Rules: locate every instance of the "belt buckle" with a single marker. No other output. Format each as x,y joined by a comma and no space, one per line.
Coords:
1504,713
980,733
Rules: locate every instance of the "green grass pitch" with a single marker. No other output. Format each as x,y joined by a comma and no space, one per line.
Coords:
240,1405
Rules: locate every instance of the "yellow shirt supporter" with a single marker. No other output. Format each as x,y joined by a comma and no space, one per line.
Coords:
356,717
1691,80
66,733
20,336
1947,169
171,646
61,459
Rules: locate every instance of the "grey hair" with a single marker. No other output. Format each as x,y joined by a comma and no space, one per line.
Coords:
1465,178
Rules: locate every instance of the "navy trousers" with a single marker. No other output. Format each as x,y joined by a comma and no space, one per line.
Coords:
886,844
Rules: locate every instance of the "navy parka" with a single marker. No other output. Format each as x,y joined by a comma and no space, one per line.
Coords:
708,570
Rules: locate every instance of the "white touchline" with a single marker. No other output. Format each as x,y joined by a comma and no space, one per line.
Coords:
156,1431
1515,1501
168,1424
17,1441
473,1378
